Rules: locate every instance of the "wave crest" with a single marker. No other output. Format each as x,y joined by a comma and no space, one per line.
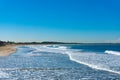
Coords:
112,52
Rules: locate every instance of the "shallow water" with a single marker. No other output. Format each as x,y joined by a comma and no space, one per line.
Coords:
60,62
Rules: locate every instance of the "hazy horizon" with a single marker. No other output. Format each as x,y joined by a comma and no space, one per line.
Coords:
81,21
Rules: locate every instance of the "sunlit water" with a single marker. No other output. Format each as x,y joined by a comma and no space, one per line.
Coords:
62,62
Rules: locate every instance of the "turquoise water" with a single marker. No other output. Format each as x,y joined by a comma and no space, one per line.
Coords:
62,62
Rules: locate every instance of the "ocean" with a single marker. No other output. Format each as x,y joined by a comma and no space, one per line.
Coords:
62,62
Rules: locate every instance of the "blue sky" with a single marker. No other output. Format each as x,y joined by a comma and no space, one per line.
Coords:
60,20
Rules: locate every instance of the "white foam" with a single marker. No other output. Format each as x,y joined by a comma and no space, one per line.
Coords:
112,52
49,48
32,54
93,65
104,62
45,48
3,75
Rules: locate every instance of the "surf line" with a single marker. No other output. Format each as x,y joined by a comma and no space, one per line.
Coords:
91,66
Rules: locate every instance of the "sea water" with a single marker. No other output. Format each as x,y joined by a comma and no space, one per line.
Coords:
62,62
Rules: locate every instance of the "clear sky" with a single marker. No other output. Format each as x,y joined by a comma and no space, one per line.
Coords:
60,20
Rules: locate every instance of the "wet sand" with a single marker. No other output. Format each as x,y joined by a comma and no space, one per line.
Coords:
7,50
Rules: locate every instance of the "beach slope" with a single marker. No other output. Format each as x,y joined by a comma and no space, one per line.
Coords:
7,50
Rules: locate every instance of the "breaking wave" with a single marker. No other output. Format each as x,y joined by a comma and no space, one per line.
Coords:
103,62
112,52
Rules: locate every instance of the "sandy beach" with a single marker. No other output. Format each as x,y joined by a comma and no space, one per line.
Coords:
7,50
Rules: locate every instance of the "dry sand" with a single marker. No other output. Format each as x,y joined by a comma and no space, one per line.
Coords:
7,50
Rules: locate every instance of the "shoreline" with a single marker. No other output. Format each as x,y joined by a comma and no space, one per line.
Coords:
10,49
7,50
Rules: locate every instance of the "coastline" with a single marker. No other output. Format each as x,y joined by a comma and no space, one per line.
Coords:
7,50
10,49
